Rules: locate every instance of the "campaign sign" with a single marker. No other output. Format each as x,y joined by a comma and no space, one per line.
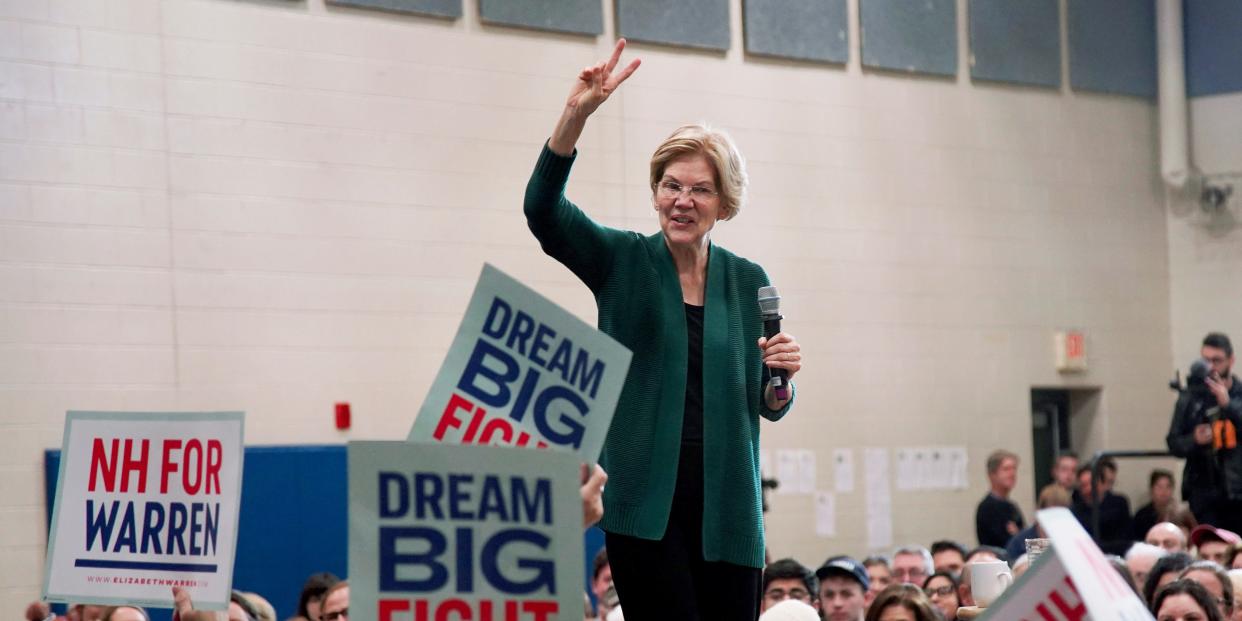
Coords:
1071,581
523,371
484,533
145,502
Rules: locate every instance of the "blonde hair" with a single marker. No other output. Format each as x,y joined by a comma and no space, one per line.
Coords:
719,150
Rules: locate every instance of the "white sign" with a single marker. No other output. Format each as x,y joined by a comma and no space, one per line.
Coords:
1072,581
146,502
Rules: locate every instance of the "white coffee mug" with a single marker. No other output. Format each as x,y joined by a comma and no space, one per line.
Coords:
988,579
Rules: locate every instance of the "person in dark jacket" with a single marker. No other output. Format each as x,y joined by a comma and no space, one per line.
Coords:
1115,526
997,518
1204,432
1160,486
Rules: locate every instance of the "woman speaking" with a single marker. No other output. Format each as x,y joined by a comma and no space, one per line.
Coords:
682,509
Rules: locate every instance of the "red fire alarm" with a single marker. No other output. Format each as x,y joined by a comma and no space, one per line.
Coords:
342,415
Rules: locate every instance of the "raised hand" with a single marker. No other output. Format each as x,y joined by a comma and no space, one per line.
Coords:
597,82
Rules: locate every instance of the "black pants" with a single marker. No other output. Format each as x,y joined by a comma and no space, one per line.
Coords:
668,579
1212,508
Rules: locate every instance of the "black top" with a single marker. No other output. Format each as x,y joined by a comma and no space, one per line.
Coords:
1114,517
992,519
692,422
1144,519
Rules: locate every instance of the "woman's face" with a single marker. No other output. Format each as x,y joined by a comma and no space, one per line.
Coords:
1180,607
942,594
896,612
689,215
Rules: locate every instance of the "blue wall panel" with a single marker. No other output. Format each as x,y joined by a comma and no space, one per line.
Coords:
688,23
1213,46
800,29
1016,41
576,16
919,37
1112,46
437,8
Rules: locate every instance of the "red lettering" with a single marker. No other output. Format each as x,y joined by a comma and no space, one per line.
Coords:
447,419
129,464
453,605
389,606
1076,613
100,463
168,466
420,610
192,463
541,610
493,426
474,425
215,456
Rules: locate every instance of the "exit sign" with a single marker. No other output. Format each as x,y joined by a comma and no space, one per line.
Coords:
1071,351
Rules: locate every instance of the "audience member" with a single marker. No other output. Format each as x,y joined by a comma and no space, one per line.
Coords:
1183,518
125,613
790,610
1235,578
941,589
263,609
601,582
1167,535
902,602
1119,566
1140,558
38,611
1053,495
1212,544
912,565
948,556
843,587
336,603
1165,571
1114,509
1160,487
964,595
1233,558
1064,469
1184,600
312,594
997,518
880,573
1213,578
788,579
987,553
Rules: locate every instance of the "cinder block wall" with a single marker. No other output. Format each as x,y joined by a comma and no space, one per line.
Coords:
271,206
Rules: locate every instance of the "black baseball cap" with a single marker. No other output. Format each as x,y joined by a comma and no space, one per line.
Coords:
844,566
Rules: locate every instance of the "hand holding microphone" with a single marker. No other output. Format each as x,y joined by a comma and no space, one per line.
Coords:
781,353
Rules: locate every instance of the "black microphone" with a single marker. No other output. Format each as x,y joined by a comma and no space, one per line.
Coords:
770,311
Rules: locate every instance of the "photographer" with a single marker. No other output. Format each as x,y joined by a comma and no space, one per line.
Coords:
1204,432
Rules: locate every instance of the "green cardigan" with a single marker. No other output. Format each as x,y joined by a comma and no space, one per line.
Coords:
640,304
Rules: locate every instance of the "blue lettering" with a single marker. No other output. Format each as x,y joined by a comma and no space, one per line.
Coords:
152,523
572,437
389,559
128,537
541,344
195,526
518,411
427,490
496,322
545,573
465,560
211,530
459,494
492,500
498,396
584,377
99,523
523,326
538,508
176,528
387,494
560,359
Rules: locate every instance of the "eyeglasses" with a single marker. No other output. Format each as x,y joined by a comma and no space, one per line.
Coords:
776,595
342,614
943,591
672,189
